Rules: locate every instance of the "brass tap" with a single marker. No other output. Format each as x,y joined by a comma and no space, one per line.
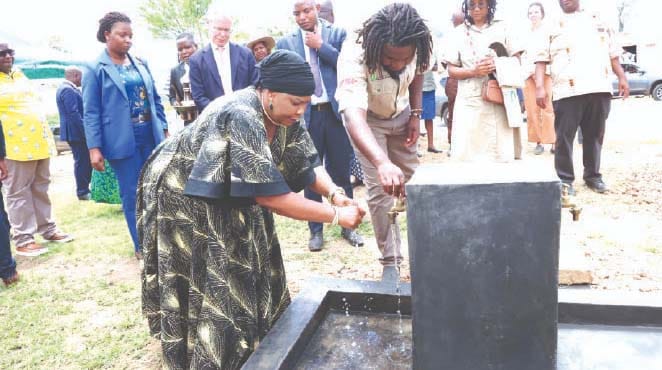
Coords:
399,206
568,201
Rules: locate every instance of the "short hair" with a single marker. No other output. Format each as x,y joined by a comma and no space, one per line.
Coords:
186,36
72,69
216,13
491,9
539,5
399,25
108,21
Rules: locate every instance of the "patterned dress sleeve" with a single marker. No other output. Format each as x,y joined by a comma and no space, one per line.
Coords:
234,159
299,158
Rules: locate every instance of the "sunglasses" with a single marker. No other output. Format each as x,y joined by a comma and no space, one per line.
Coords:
476,5
4,53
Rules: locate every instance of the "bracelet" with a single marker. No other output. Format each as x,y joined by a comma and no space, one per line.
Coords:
332,194
336,216
415,114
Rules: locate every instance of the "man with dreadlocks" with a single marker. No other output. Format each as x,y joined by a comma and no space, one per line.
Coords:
379,94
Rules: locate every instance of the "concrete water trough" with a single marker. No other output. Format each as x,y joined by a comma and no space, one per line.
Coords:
348,324
484,252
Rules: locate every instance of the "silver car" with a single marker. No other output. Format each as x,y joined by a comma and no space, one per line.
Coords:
641,82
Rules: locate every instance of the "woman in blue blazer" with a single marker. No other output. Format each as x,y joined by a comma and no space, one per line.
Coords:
123,115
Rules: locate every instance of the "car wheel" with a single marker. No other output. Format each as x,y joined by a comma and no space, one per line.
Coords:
657,92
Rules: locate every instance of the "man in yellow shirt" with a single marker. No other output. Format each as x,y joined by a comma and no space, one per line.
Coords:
29,144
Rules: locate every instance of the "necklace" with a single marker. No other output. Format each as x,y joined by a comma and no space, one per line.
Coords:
267,114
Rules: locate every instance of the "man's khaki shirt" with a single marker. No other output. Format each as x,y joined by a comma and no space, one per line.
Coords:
378,93
579,48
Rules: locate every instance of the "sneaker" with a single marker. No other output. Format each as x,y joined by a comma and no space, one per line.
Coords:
87,196
31,250
597,186
315,243
352,237
59,237
11,280
539,150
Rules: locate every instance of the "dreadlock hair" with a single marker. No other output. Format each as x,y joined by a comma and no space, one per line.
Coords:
491,9
398,25
107,22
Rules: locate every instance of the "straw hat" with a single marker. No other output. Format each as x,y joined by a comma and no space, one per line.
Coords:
268,41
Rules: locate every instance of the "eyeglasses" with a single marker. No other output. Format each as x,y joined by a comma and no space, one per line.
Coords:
481,6
4,53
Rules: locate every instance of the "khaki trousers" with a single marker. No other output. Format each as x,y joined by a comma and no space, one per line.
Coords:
539,121
26,196
390,135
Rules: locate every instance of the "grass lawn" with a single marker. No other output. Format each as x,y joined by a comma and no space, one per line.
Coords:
78,307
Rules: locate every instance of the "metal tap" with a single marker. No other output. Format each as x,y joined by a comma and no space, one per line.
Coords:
568,201
399,206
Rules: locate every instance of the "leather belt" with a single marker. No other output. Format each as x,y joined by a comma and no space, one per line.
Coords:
321,107
142,117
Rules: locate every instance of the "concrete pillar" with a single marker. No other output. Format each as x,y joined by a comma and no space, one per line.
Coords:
484,250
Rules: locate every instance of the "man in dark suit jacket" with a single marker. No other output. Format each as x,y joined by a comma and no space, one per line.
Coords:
186,46
319,43
70,106
222,66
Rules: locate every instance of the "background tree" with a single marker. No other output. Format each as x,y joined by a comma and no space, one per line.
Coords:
624,9
168,18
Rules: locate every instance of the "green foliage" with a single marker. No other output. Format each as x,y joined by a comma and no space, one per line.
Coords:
169,18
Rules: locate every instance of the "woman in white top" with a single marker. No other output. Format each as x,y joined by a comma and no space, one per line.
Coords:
480,130
540,121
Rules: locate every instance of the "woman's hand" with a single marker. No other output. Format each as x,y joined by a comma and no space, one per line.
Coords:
96,159
541,97
350,217
342,200
484,67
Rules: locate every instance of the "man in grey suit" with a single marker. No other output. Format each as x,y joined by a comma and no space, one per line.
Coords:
319,43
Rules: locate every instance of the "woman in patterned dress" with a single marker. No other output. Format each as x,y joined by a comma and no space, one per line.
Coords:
214,281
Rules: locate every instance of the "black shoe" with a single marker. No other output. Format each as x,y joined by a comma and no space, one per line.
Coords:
316,241
571,190
434,150
352,237
85,197
390,274
597,186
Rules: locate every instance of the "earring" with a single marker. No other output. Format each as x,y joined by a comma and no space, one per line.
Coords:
271,104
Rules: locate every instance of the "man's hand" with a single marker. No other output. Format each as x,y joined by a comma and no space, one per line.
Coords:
3,170
96,159
541,97
392,179
623,87
313,40
413,131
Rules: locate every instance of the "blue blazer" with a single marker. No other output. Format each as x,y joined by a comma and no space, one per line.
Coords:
332,38
206,82
70,106
106,115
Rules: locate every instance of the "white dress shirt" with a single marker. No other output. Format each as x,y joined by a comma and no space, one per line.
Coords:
324,98
222,58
